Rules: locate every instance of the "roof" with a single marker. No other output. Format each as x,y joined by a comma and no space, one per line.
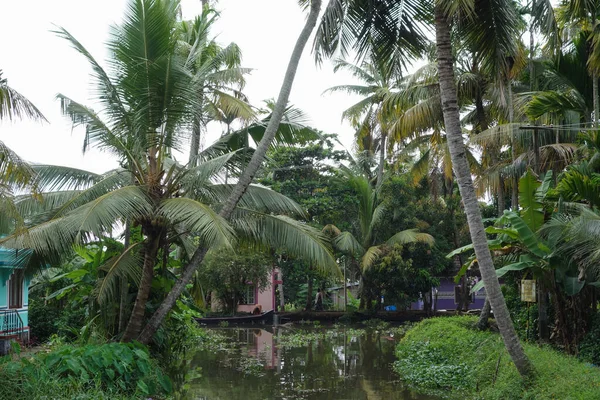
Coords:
12,258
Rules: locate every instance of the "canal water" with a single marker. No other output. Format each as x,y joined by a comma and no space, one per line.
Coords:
298,363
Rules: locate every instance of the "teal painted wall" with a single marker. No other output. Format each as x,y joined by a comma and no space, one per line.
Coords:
4,276
26,283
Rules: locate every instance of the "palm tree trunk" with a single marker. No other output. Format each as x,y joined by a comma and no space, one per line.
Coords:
139,308
195,145
380,167
513,153
596,99
501,191
484,317
282,100
124,284
247,176
465,183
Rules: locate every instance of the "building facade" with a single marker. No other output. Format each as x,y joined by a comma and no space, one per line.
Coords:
14,299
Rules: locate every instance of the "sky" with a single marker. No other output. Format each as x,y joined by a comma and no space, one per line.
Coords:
40,65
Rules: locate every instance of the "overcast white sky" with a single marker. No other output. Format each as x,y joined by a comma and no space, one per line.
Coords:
39,65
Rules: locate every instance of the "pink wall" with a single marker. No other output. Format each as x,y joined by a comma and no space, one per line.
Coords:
264,298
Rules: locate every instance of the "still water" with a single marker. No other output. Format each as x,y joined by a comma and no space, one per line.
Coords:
299,363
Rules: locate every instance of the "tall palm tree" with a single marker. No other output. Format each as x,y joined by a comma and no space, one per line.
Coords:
217,74
249,172
465,183
489,29
372,120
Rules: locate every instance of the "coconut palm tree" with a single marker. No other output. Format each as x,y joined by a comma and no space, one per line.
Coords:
217,74
379,81
462,170
249,172
15,173
360,24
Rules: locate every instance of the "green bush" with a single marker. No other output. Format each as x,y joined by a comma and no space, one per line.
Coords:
448,356
589,348
114,370
42,320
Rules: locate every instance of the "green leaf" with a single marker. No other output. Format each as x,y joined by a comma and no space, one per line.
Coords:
200,219
511,233
532,212
492,244
346,242
165,383
542,190
518,266
143,387
526,235
410,236
61,292
572,285
77,273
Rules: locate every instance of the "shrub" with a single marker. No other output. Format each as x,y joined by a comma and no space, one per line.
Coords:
589,349
449,356
114,370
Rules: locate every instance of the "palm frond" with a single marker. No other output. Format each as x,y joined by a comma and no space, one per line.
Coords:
281,232
261,198
13,105
200,219
126,265
369,258
410,236
347,243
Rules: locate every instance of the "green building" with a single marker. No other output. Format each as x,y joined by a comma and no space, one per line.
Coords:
14,299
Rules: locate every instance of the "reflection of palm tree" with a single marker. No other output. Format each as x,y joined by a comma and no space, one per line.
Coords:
367,387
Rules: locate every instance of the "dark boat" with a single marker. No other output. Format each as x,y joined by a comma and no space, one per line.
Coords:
266,316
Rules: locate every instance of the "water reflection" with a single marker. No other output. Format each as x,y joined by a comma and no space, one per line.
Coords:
337,364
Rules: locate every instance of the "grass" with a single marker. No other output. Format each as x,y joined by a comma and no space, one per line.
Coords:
448,357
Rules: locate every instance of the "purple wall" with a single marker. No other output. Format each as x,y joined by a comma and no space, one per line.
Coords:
445,297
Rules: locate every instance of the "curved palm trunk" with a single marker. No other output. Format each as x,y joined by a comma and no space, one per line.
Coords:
465,183
139,308
247,176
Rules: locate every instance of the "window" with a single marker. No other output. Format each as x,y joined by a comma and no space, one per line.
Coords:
249,296
15,290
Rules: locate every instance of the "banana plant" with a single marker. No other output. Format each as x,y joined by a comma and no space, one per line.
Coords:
521,244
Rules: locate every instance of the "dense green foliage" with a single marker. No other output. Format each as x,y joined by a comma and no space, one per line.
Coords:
448,355
228,275
589,348
108,371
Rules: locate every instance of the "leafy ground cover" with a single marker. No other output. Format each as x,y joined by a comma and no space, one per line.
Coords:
449,357
107,371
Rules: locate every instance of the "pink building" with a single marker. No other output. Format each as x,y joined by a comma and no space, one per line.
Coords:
257,300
